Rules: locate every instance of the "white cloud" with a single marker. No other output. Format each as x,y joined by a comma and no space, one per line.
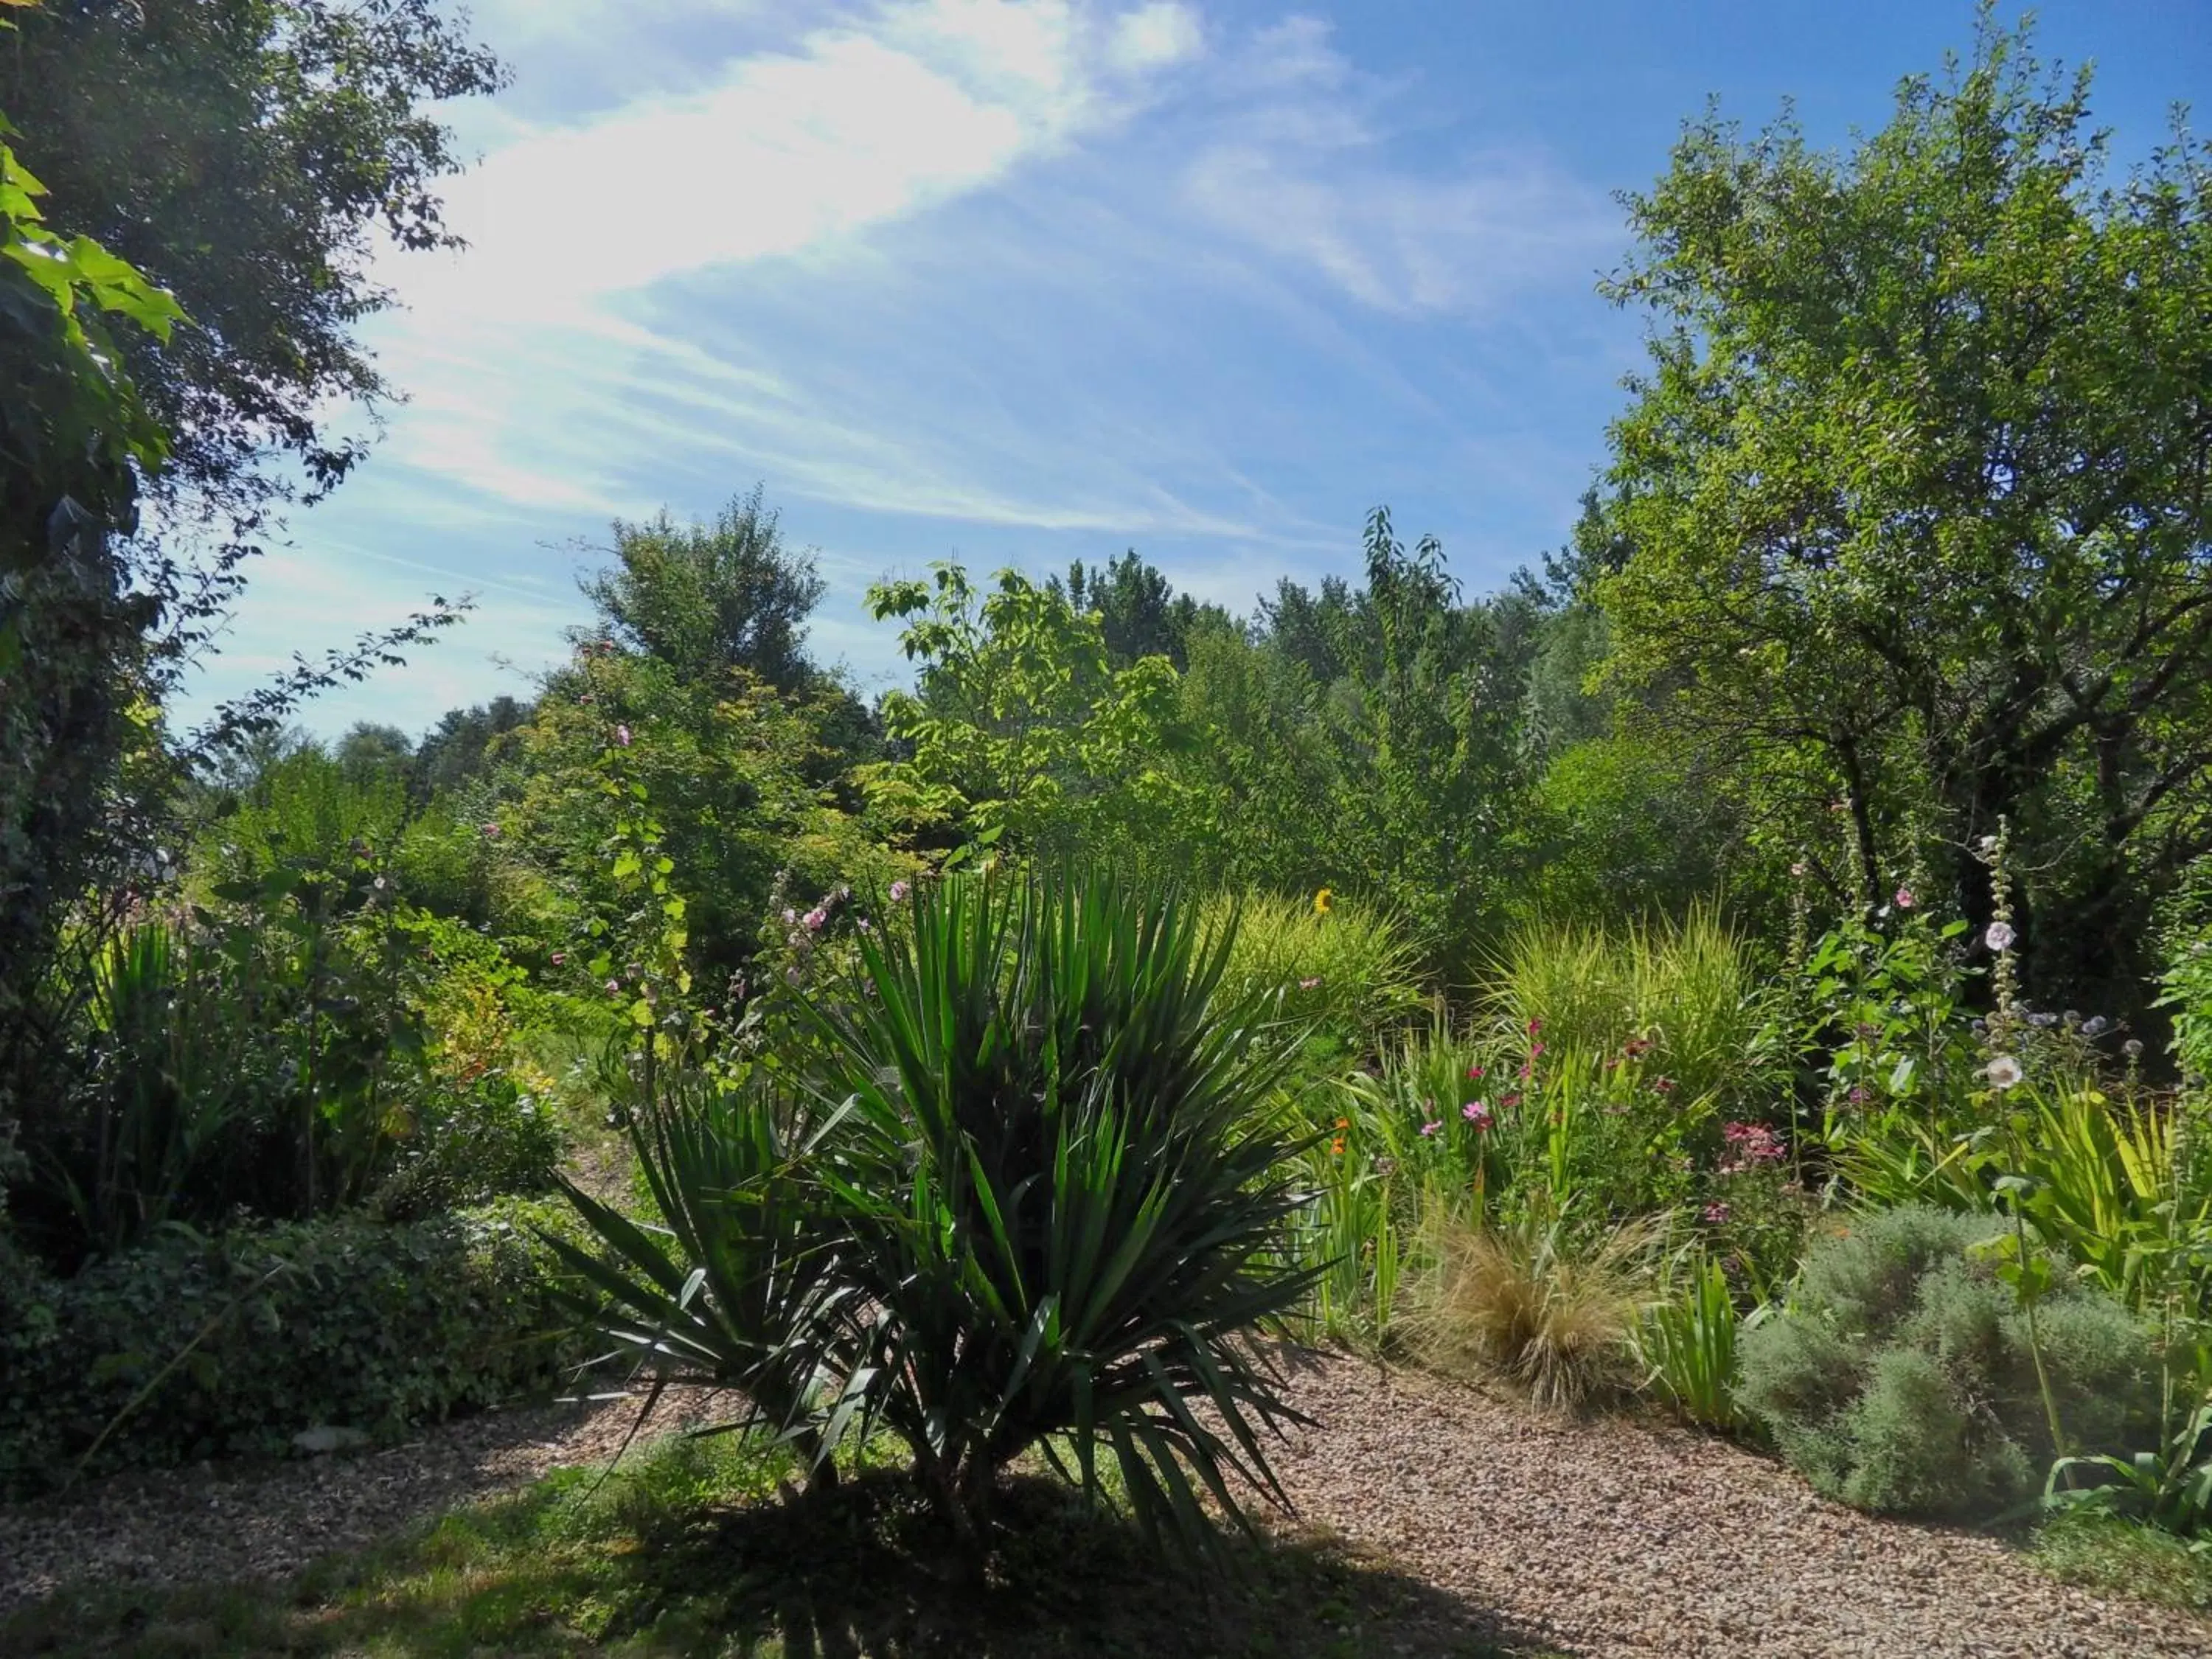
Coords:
1305,171
1156,34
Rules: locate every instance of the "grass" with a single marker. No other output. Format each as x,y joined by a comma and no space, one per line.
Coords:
2117,1557
692,1548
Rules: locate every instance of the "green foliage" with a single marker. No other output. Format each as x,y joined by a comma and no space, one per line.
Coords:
1021,727
1901,1377
2108,1556
1036,1197
194,1347
1688,1346
2170,1488
710,599
1348,975
1684,993
1907,513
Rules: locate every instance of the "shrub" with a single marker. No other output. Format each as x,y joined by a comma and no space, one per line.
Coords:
1902,1380
1529,1302
1685,988
1350,972
1038,1197
240,1342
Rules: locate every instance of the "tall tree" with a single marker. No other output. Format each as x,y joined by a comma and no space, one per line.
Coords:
1910,513
707,598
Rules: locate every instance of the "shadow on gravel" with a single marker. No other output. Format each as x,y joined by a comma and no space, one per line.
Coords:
861,1571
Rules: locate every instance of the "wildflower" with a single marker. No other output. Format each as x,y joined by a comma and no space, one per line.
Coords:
491,831
2132,1048
2095,1025
560,957
1798,869
790,917
1637,1047
794,974
1476,1113
1859,1095
1509,1101
1344,1123
1989,844
1904,898
2000,936
1662,1085
614,987
1717,1213
1473,1073
1430,1128
899,890
815,918
1324,901
1336,1147
1308,984
2043,1021
2003,1072
1524,1073
1384,1166
622,736
1535,1049
1534,1026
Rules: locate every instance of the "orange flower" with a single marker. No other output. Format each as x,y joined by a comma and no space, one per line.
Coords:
1336,1147
1344,1123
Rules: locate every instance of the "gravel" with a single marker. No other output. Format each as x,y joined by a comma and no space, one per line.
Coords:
1600,1537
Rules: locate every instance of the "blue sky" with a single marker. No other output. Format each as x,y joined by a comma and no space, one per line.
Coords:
1021,282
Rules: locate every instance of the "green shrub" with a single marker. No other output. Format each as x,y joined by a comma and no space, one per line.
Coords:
1038,1197
1901,1379
1350,972
343,1322
1687,989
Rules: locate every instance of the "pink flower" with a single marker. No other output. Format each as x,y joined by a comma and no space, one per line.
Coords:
1431,1126
1797,869
622,736
614,987
1535,1049
1662,1085
1473,1071
1534,1026
560,957
1308,984
1904,898
491,831
815,918
1509,1100
1476,1113
2000,936
1717,1213
899,890
790,917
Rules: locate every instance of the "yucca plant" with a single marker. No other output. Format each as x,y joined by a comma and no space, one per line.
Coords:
1038,1195
1070,1199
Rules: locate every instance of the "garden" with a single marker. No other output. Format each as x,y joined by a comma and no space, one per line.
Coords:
1667,1107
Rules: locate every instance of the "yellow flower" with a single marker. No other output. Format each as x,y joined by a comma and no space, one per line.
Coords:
1324,901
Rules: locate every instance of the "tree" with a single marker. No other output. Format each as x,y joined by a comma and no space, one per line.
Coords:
1909,514
1140,613
706,598
244,154
1022,727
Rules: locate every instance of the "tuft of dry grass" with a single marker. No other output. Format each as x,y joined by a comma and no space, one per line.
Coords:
1529,1303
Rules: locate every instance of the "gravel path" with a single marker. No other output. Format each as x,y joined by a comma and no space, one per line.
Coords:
1615,1537
1603,1538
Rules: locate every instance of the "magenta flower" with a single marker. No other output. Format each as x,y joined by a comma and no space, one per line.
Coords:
1717,1213
1904,898
1473,1073
1476,1113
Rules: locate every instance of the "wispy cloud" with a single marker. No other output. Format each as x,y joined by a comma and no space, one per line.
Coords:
1306,169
